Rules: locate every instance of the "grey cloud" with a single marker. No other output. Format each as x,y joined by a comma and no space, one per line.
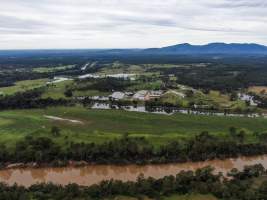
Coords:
240,3
130,20
16,23
143,20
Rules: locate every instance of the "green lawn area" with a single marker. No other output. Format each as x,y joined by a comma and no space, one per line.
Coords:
224,101
218,100
102,125
122,68
154,85
124,198
173,197
77,93
21,86
56,90
52,69
191,197
174,99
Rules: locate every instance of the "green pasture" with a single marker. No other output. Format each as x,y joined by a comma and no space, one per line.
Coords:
172,197
52,69
190,197
22,86
56,90
103,125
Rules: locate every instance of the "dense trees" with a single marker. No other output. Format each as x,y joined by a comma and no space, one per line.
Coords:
55,131
203,181
40,149
262,101
128,150
68,93
30,99
223,76
107,84
226,73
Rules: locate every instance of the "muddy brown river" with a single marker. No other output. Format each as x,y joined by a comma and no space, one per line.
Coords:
92,174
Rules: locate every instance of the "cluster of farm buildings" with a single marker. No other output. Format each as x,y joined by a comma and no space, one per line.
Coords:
142,95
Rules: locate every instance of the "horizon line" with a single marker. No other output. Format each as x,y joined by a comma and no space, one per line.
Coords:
99,49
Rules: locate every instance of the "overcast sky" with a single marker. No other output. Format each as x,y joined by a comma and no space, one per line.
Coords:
36,24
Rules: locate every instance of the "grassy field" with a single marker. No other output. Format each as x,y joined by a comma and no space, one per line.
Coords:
21,86
190,197
90,93
220,100
52,69
173,197
56,90
102,125
214,98
121,68
153,85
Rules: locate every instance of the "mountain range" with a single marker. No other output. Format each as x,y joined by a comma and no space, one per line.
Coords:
179,49
212,48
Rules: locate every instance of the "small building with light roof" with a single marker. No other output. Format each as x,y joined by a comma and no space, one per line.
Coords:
142,95
117,96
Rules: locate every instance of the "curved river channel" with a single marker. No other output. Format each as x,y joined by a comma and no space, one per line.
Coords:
92,174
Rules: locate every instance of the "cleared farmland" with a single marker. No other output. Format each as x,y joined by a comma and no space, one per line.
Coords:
102,125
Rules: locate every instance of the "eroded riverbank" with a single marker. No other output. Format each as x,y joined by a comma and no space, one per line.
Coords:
92,174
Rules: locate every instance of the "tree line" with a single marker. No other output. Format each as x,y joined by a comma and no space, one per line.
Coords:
30,99
204,146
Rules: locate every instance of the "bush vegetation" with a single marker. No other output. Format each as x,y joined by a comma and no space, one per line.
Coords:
128,150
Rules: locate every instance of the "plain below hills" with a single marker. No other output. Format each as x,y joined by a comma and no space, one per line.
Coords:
103,125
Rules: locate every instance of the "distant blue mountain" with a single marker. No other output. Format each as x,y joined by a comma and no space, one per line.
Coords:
179,49
212,48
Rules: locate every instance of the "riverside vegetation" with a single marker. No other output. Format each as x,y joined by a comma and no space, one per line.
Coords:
130,150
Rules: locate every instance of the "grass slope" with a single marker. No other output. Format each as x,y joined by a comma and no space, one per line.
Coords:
52,69
173,197
102,125
21,86
190,197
